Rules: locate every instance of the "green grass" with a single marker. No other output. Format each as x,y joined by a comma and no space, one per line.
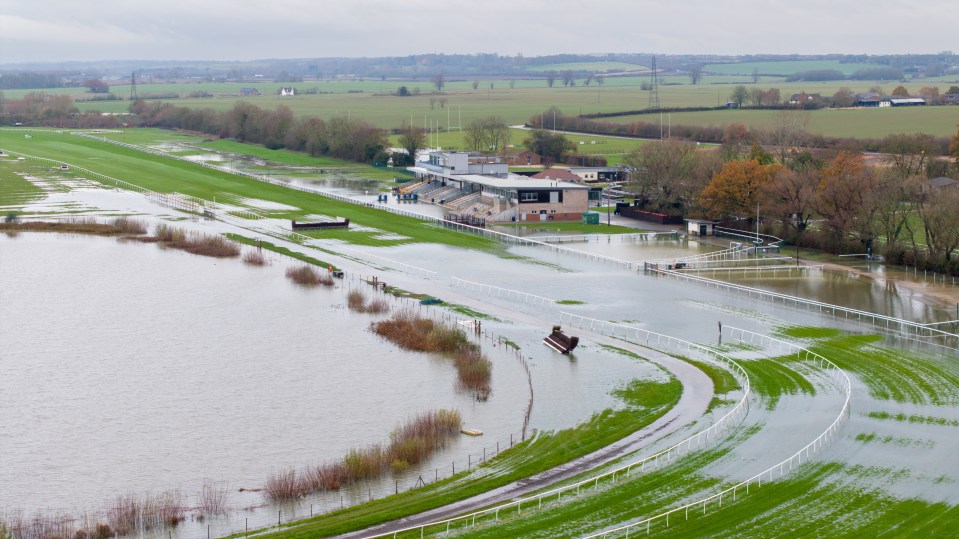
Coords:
544,452
915,419
279,249
570,302
468,312
598,67
786,67
15,190
860,123
275,156
773,379
167,175
149,136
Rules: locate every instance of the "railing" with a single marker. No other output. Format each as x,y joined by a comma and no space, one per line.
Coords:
753,237
598,238
836,375
701,439
903,327
524,297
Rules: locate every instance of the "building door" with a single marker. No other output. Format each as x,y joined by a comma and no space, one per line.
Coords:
702,230
542,215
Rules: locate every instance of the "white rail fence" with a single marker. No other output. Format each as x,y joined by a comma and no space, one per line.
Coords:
698,440
505,238
898,326
523,297
836,376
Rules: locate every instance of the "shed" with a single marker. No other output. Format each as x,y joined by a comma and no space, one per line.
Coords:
698,227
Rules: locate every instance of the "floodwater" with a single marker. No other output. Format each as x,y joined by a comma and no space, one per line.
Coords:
130,369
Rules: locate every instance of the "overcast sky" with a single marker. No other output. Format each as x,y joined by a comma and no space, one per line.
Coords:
63,30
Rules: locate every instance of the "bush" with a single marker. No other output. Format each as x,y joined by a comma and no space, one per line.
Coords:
307,276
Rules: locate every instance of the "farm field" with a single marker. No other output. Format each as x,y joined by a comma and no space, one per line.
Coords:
786,68
860,123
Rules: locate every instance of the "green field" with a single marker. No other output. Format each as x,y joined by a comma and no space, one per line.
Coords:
785,67
597,67
859,123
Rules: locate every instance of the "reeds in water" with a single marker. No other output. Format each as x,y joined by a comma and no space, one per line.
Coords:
409,444
80,225
213,497
254,258
357,301
308,276
196,243
127,225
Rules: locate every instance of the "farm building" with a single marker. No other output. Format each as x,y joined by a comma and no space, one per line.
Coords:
287,91
803,98
479,186
902,102
868,99
249,92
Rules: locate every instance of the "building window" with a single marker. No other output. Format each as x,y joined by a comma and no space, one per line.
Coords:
529,197
552,211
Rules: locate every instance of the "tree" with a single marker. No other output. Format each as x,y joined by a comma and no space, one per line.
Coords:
756,97
512,83
736,189
844,198
567,77
930,94
773,97
900,91
600,80
402,91
953,90
439,80
844,97
412,139
755,75
941,223
588,80
739,96
791,196
787,132
475,84
735,140
760,155
552,146
695,72
96,86
488,135
907,154
550,78
661,175
954,149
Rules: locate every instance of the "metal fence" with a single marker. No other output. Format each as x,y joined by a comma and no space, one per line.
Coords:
696,441
835,375
523,297
899,326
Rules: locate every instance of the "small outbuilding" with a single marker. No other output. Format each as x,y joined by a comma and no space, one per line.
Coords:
699,227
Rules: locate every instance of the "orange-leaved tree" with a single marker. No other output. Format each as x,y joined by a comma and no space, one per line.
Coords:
735,190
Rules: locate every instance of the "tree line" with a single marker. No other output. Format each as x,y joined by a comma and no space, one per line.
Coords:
833,200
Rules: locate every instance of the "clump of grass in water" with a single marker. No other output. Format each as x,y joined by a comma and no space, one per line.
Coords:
195,242
357,301
307,276
127,225
254,258
413,332
410,443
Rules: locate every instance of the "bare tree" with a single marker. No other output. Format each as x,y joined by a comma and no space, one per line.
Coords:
439,80
695,72
568,77
412,140
550,78
787,132
755,75
475,84
490,134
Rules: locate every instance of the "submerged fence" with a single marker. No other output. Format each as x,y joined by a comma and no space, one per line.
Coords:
899,326
696,441
835,375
